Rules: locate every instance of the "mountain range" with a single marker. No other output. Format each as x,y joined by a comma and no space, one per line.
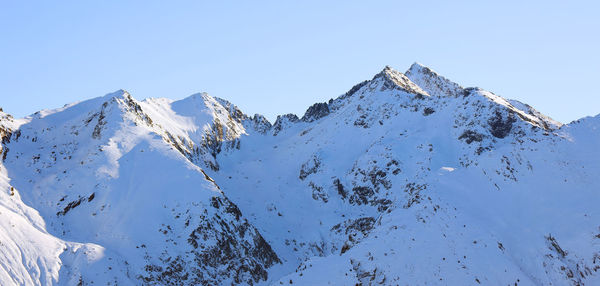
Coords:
406,179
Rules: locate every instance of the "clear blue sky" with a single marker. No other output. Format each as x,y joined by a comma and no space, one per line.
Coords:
282,56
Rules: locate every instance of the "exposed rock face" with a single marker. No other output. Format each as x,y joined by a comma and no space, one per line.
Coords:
310,167
500,127
217,134
234,112
471,136
395,80
355,230
284,121
315,112
355,88
260,124
119,101
222,247
6,122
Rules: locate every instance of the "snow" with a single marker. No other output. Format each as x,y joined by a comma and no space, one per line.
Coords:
410,179
447,169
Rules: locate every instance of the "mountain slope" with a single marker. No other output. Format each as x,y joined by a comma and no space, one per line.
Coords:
30,255
396,166
98,172
405,179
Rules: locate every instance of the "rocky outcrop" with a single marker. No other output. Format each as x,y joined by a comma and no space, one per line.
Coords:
284,121
315,112
220,247
392,79
234,112
260,123
355,88
500,126
310,167
5,133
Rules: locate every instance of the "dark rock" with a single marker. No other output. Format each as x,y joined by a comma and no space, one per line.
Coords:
136,109
316,111
413,190
467,91
355,88
500,127
284,121
340,188
222,247
554,245
364,225
234,112
470,136
361,195
428,111
377,178
73,204
310,167
318,193
261,124
382,204
362,121
101,122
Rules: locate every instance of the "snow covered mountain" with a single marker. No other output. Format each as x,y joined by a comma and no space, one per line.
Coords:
408,178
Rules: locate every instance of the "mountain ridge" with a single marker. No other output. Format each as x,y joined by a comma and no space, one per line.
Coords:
357,190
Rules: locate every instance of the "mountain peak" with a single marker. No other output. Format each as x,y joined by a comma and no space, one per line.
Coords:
393,79
121,93
418,66
387,69
419,69
197,96
432,82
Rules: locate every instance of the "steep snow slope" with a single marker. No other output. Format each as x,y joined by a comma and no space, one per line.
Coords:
29,255
197,126
397,185
98,172
405,179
